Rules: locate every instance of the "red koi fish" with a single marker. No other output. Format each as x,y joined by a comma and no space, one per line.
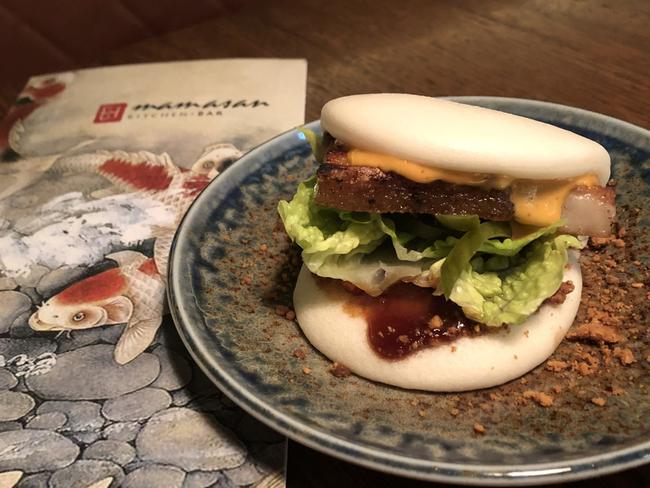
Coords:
133,293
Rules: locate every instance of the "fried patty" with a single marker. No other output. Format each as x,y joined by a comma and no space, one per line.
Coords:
367,189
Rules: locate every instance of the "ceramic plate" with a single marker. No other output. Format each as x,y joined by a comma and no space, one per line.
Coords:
232,270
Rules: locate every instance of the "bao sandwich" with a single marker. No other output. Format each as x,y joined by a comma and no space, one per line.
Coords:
440,240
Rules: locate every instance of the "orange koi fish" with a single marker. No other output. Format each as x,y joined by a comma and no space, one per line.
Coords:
133,293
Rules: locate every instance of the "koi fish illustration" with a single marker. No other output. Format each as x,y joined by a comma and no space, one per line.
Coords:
134,292
131,293
158,178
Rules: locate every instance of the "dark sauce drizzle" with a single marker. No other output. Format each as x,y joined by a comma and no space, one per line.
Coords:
407,318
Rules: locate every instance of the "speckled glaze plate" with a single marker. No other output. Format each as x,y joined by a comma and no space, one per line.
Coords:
231,266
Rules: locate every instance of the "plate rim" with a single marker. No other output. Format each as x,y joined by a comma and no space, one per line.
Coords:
475,474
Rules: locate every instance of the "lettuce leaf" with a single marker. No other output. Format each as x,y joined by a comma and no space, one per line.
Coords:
461,254
325,235
512,295
510,247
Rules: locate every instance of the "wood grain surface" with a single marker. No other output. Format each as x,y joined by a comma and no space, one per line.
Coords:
592,54
589,54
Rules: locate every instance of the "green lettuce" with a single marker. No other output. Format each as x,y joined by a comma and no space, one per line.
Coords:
510,296
465,248
495,279
325,234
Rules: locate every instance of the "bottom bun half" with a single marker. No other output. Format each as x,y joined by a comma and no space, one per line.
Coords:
477,362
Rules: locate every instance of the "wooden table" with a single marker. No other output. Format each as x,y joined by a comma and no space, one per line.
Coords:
592,54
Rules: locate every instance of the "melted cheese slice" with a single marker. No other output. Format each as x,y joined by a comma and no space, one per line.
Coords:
537,202
421,173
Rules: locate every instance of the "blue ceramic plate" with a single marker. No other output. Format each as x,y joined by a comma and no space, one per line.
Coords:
232,270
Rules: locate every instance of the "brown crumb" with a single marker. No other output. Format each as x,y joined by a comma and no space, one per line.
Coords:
485,406
479,429
598,242
620,243
435,322
422,413
299,353
414,402
600,401
556,366
559,296
454,412
624,355
617,391
637,285
403,339
281,310
246,280
585,368
595,332
306,370
541,398
290,315
556,389
264,247
340,371
454,349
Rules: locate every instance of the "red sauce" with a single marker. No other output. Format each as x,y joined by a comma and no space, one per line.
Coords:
407,318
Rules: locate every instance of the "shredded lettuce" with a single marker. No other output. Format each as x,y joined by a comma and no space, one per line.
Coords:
495,279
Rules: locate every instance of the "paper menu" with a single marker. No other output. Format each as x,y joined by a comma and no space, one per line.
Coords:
98,167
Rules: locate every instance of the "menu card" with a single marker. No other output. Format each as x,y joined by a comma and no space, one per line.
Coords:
97,168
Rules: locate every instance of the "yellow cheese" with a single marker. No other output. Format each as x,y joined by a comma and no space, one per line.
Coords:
412,171
537,202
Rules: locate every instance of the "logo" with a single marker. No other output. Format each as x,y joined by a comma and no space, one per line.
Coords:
109,112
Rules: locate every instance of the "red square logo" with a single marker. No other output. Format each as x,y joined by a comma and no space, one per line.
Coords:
110,112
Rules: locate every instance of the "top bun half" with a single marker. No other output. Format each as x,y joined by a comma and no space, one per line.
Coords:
455,136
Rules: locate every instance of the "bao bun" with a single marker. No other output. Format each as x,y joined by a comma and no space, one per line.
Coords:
460,137
479,362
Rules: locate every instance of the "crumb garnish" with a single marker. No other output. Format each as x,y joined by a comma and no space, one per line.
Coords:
340,371
539,397
479,428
